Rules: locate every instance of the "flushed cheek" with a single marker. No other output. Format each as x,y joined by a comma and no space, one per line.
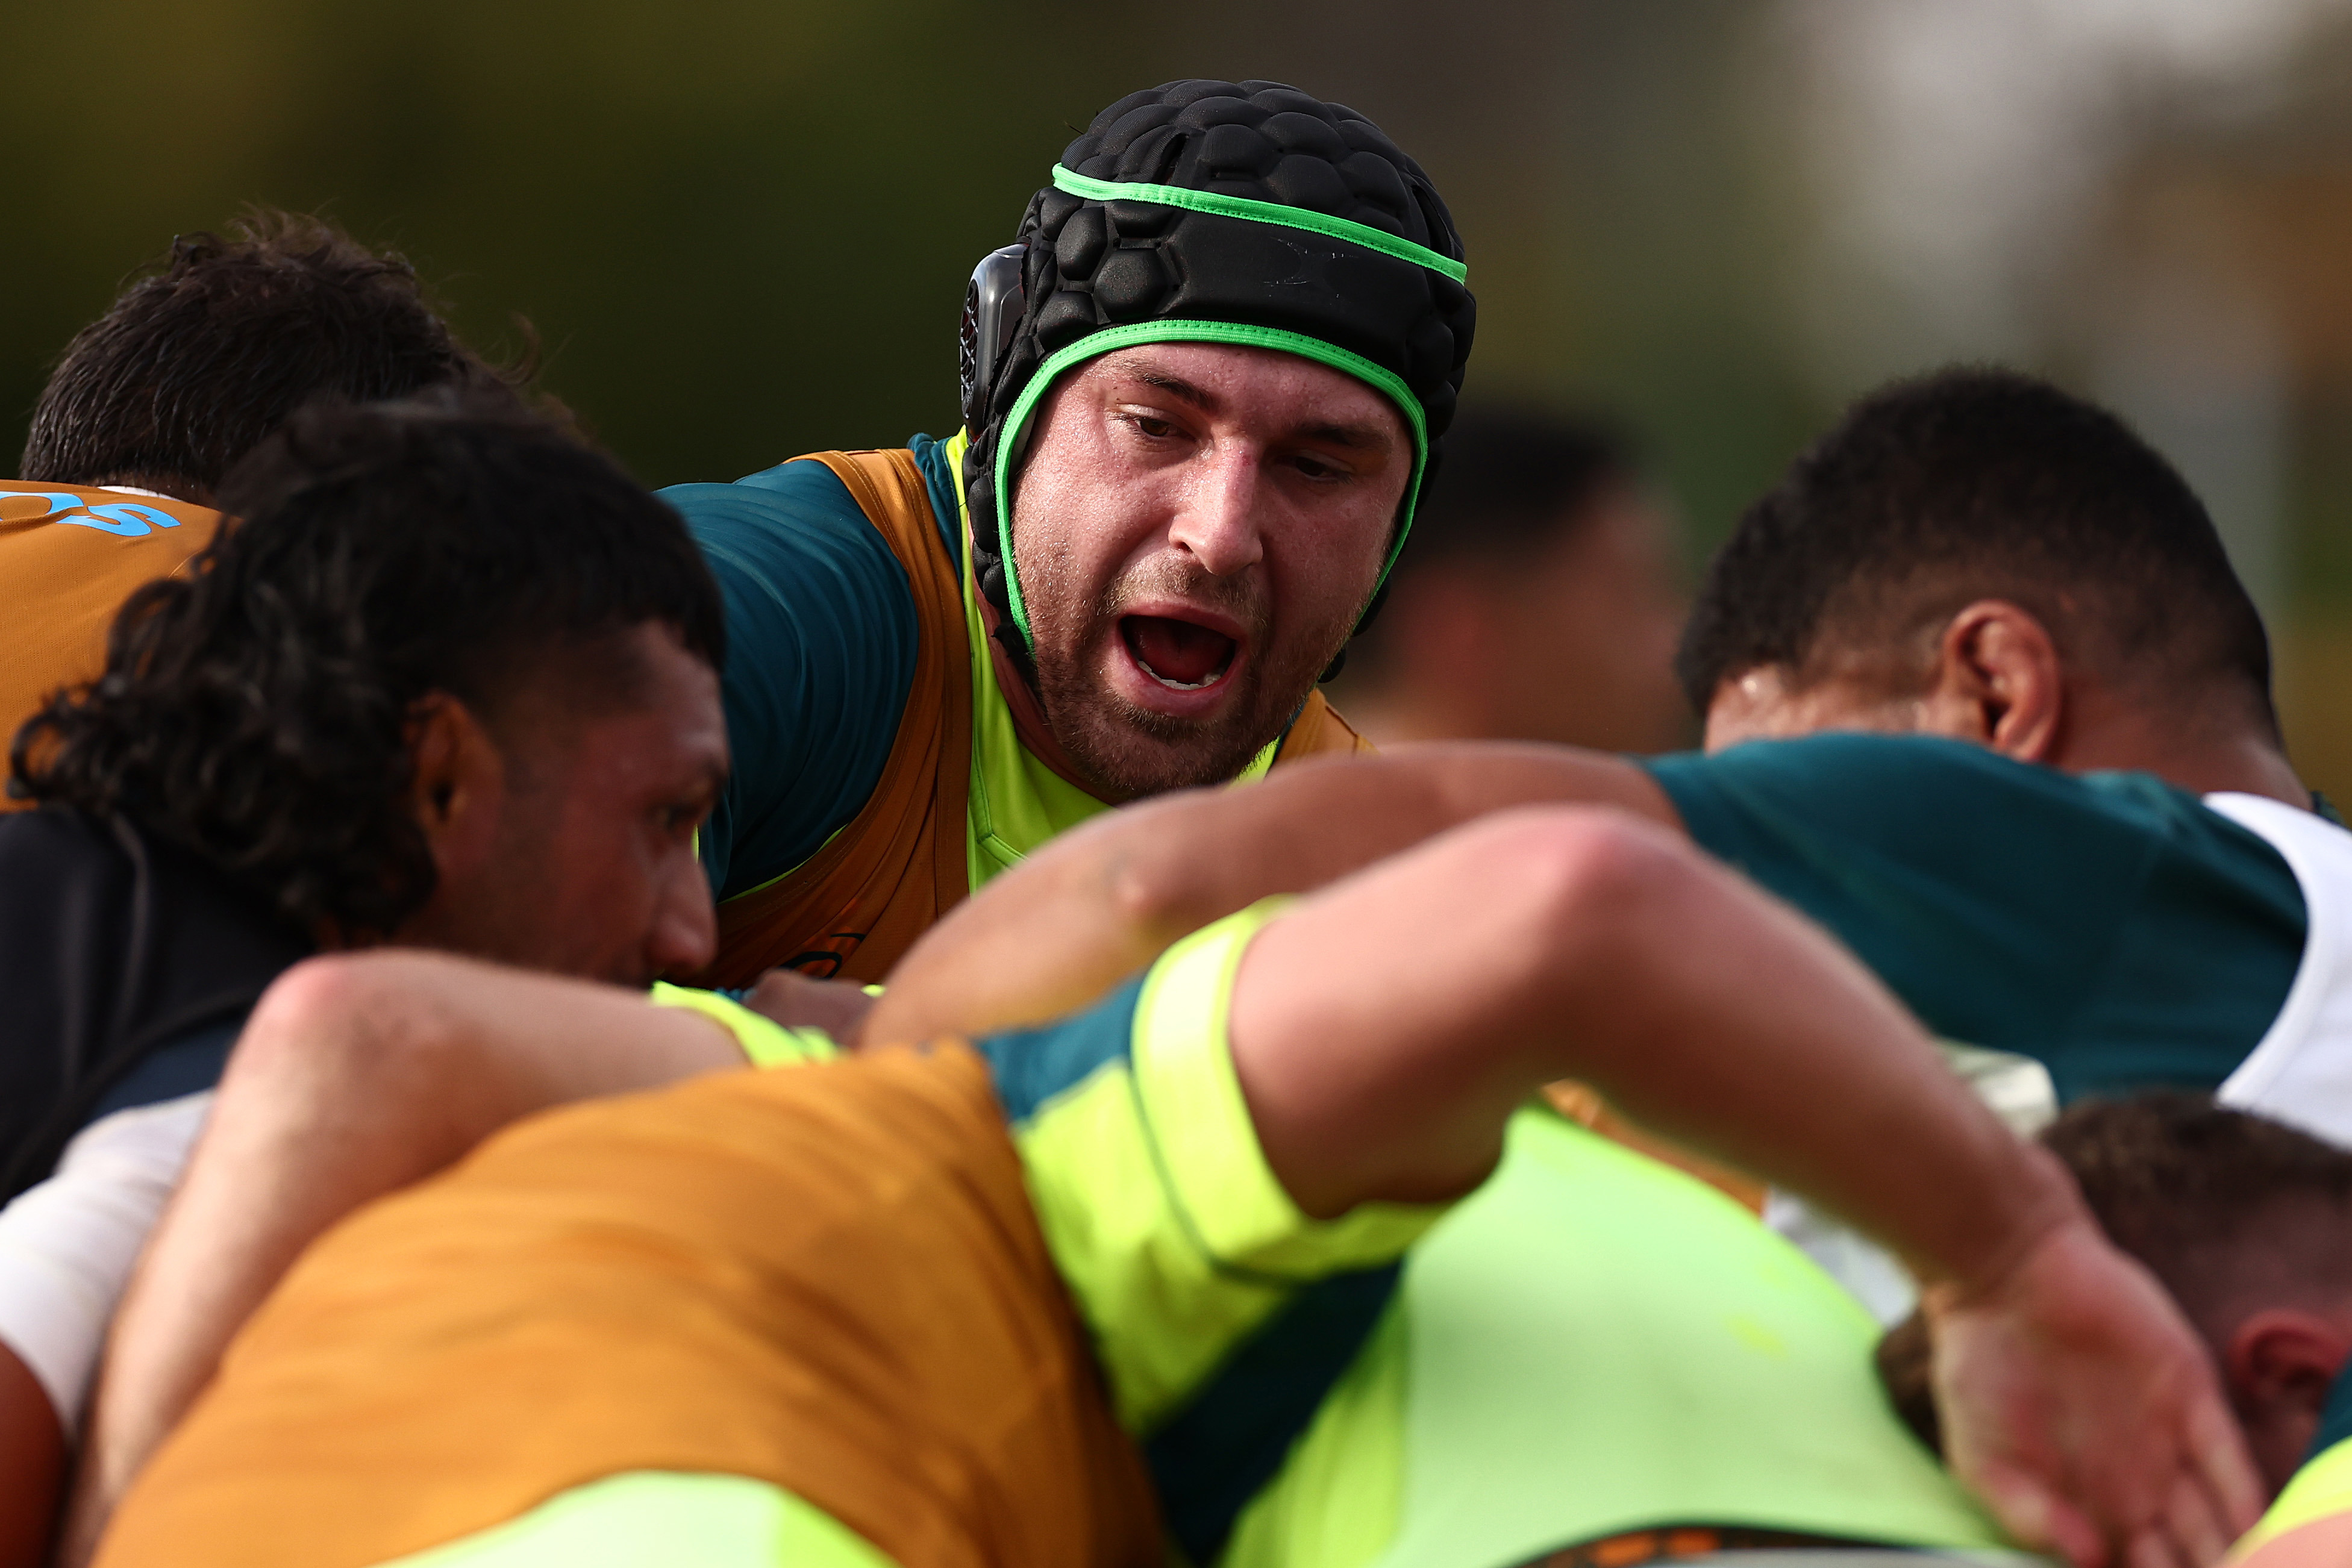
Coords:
1123,552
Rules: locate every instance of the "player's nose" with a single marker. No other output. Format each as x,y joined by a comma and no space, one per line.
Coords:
685,935
1218,522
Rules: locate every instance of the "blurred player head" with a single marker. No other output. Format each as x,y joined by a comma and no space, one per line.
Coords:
2248,1225
1979,555
1537,601
451,681
194,364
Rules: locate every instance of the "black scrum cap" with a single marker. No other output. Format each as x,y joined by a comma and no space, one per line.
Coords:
1243,213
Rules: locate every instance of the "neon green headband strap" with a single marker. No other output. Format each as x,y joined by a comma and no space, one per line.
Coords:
1259,212
1111,338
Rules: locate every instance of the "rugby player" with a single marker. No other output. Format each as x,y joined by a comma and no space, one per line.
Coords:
1555,1217
450,683
2013,742
1982,559
1202,392
155,401
1985,699
1976,557
911,1306
2145,863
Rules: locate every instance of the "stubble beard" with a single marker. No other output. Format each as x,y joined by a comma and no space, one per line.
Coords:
1129,750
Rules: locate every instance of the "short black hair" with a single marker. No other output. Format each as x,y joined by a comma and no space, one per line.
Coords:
195,363
256,710
1979,483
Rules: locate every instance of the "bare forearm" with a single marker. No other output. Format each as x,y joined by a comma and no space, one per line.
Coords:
1386,1029
1750,1034
1103,902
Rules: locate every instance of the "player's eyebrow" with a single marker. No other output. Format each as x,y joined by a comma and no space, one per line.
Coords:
1178,388
1354,436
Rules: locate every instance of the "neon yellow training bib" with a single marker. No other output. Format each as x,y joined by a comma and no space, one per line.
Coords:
1595,1343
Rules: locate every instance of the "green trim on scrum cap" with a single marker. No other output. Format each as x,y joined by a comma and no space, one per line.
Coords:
1259,212
1110,338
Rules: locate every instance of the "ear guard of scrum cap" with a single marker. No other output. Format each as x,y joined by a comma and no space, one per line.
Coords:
1209,211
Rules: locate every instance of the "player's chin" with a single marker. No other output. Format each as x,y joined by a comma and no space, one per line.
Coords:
1140,751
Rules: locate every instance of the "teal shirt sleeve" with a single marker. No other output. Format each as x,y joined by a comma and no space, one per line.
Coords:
821,643
940,478
2107,925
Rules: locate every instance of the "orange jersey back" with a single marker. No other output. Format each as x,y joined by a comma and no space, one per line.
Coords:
69,555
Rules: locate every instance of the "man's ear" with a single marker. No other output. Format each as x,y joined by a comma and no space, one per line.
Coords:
1998,681
2279,1364
457,783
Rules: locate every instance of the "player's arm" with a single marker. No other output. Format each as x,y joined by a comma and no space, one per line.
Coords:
1098,903
68,1245
1385,1029
356,1076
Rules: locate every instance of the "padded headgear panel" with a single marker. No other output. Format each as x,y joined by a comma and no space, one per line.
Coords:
1317,228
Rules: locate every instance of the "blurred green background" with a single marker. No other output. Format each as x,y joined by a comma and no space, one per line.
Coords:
742,231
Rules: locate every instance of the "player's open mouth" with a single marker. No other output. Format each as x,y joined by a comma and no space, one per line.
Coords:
1182,655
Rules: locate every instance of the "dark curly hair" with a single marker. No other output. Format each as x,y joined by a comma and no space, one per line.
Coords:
194,364
1977,483
256,710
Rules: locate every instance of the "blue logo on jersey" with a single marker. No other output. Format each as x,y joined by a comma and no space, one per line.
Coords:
123,519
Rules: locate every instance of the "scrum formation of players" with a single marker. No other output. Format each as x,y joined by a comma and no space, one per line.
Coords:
547,1024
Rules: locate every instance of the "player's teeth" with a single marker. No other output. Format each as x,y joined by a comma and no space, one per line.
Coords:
1180,685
